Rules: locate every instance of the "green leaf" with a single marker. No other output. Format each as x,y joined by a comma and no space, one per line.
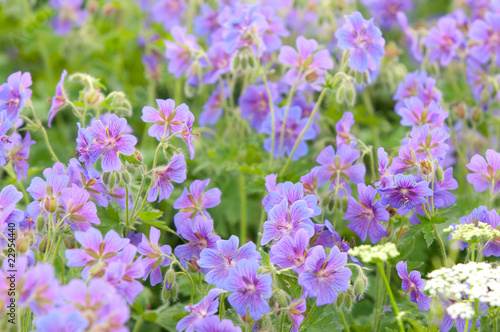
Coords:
150,316
130,159
150,215
428,234
265,257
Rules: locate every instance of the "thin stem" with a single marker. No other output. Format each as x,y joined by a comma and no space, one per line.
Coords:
47,143
473,252
126,205
400,230
476,309
371,111
344,322
441,243
57,249
309,314
391,296
221,306
138,325
302,133
243,208
287,108
273,119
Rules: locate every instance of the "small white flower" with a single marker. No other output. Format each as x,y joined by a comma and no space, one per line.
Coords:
375,254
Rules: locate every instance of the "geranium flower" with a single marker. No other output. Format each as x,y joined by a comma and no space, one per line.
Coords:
163,177
165,120
155,256
59,100
414,284
208,306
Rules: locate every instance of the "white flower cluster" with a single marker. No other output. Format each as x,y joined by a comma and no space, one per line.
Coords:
375,254
463,310
473,233
473,281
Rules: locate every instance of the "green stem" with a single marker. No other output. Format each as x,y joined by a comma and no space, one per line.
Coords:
400,230
371,111
344,322
273,119
391,297
138,325
221,306
309,315
47,143
243,208
476,309
287,108
302,133
57,249
441,243
473,252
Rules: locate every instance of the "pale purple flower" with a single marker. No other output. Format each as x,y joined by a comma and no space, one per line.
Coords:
5,125
83,145
220,62
249,289
326,276
180,52
39,288
206,24
78,212
96,252
366,215
45,194
414,284
414,113
219,261
9,196
62,319
284,220
429,144
167,12
385,11
363,40
420,85
155,256
14,94
291,252
444,41
70,15
447,322
343,128
110,140
307,65
163,177
412,38
293,127
195,203
59,100
293,192
493,248
335,165
208,306
484,35
295,311
167,120
405,194
18,152
255,103
485,172
214,107
187,135
212,324
275,29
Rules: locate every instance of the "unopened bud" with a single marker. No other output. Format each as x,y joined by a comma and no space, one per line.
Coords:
348,301
439,174
174,291
340,95
138,156
477,115
105,177
24,245
126,176
70,242
345,200
43,245
40,222
460,111
351,94
283,298
112,180
340,300
94,97
170,278
50,205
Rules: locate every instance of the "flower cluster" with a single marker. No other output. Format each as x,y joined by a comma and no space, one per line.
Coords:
375,254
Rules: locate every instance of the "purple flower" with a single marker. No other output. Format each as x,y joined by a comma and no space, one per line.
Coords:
163,177
484,37
83,145
493,248
5,125
414,284
14,94
212,324
447,322
366,215
444,41
249,290
9,196
70,15
59,100
99,302
199,234
221,260
97,252
291,252
406,161
167,119
429,144
310,181
308,66
18,151
412,38
405,194
419,85
220,62
326,277
45,194
246,30
285,220
90,180
110,140
65,318
195,203
275,29
295,311
343,128
167,12
293,192
414,113
363,40
79,213
206,23
207,307
485,172
214,107
384,11
187,134
180,52
39,288
155,256
255,103
293,127
335,165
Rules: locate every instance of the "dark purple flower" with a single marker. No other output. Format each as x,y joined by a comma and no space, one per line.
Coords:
195,203
485,172
326,277
444,41
167,120
293,127
366,215
484,37
110,140
83,144
163,177
219,61
156,256
208,306
78,212
14,94
405,194
285,220
447,322
414,113
254,103
363,40
307,65
18,152
221,260
414,284
97,252
291,252
340,164
59,100
180,52
199,234
214,107
70,15
493,248
249,290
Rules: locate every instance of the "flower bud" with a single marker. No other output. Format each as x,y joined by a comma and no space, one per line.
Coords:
345,201
138,156
43,245
126,176
439,174
340,300
173,292
460,111
24,245
351,94
477,114
70,242
340,95
283,298
97,270
165,294
348,301
169,278
112,180
193,266
94,97
50,205
105,177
